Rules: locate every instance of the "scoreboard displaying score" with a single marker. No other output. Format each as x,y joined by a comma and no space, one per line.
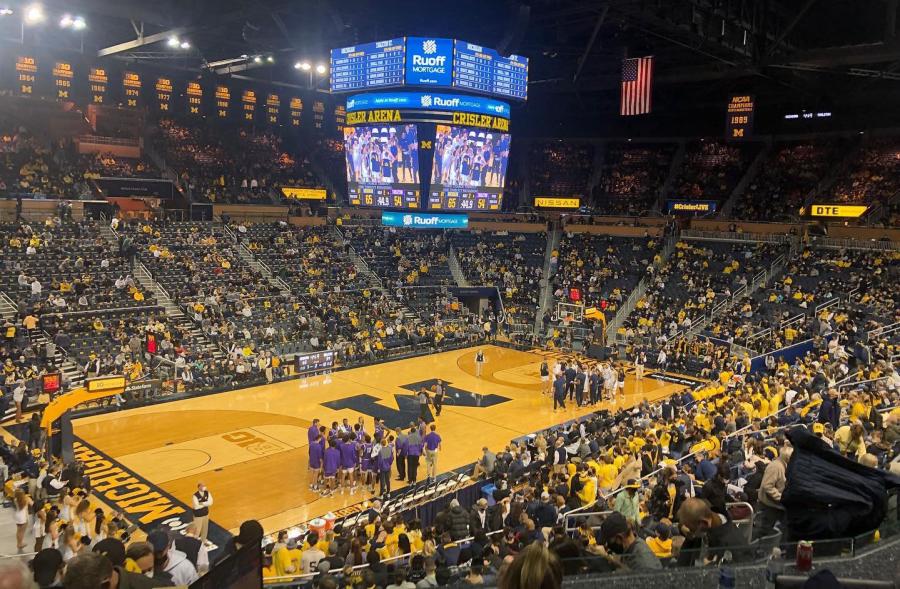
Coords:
382,166
314,361
484,70
469,169
370,65
431,62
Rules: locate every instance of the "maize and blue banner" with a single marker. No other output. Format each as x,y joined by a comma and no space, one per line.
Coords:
424,220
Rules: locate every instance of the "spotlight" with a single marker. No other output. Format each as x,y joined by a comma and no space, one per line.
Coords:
78,24
185,45
34,14
305,66
5,11
298,65
321,69
66,21
257,59
173,42
270,59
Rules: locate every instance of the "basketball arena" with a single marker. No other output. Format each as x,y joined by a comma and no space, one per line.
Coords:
515,294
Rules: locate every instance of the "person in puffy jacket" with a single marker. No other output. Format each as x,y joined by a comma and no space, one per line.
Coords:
457,521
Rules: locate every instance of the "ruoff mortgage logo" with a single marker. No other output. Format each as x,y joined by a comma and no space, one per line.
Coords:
407,220
428,61
426,100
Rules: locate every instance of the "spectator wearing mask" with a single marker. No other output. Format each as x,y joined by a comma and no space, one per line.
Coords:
169,561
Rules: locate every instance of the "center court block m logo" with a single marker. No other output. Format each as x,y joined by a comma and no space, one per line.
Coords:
407,410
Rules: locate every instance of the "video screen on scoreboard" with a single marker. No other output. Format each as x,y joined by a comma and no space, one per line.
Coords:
469,169
382,166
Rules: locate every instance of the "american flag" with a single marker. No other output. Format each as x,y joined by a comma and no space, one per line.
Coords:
637,83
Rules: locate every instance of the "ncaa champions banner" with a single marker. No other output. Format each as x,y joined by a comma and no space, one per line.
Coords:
739,121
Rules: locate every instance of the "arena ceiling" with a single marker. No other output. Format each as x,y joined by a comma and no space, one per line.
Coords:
810,52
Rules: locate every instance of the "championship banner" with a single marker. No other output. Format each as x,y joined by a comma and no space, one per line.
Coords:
739,118
692,207
273,105
318,114
847,211
99,82
304,193
296,108
248,104
164,93
556,202
223,101
62,80
137,187
131,84
194,93
26,73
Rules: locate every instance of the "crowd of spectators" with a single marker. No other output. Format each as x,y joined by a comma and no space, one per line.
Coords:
661,485
560,168
874,174
35,167
785,179
513,262
633,176
233,165
710,171
695,278
602,269
402,257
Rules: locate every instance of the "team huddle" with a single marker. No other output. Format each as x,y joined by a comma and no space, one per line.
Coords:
583,384
468,158
346,457
385,155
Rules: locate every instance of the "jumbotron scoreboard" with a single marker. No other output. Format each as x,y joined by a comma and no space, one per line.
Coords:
430,147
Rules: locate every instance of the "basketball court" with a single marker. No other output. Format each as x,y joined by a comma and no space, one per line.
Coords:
250,446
